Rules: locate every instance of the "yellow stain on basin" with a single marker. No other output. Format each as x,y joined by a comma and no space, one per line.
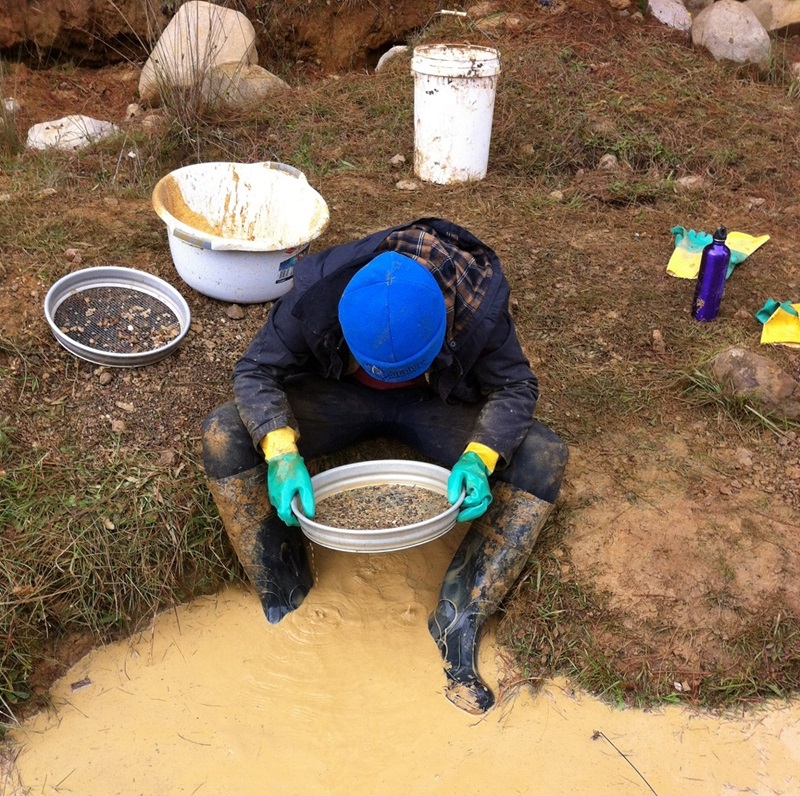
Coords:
344,696
236,206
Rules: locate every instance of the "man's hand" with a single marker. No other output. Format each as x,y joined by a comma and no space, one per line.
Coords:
470,474
287,476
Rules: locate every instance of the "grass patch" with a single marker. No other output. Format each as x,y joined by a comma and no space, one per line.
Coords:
95,543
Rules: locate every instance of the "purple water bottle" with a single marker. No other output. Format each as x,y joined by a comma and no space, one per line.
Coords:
711,279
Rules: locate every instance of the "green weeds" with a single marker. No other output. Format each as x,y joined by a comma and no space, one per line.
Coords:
94,543
701,389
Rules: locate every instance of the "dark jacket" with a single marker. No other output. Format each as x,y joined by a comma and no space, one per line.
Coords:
481,361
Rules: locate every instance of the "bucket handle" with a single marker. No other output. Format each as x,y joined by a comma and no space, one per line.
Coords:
198,243
447,12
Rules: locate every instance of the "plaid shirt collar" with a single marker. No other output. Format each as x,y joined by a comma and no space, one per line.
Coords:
463,277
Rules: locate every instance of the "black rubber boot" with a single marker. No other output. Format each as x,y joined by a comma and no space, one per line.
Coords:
272,553
489,559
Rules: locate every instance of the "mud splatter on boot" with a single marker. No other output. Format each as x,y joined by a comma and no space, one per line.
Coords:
273,554
488,561
456,636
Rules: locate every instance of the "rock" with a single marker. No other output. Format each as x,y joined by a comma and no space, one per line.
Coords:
657,342
775,14
238,85
608,162
694,7
671,13
11,105
763,11
744,457
758,378
70,133
105,378
730,31
407,185
556,196
73,255
153,122
199,37
503,21
391,53
235,312
133,111
691,182
398,160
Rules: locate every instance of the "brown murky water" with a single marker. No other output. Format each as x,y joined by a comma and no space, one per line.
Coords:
345,697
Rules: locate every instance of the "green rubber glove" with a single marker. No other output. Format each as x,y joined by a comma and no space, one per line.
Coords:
287,476
470,474
695,242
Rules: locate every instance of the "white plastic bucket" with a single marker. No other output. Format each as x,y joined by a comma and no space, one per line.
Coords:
454,90
236,230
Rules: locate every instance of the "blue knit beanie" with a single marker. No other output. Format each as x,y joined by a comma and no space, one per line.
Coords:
393,317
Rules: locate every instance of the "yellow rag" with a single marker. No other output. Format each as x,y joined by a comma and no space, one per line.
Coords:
685,263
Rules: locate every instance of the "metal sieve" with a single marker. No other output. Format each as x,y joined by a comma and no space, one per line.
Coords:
116,316
379,540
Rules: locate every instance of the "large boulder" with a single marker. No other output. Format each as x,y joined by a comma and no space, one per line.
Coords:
730,31
237,85
199,37
776,14
746,375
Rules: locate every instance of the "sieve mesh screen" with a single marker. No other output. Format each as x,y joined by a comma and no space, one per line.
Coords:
118,320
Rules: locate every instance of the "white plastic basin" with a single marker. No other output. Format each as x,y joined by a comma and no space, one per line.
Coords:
236,230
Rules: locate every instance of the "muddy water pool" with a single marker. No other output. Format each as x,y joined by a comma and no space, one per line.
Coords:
345,696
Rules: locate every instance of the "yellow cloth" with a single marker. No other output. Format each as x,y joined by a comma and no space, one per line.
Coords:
282,440
782,328
484,453
686,263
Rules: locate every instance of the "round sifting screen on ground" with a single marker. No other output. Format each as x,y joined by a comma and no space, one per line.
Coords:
119,320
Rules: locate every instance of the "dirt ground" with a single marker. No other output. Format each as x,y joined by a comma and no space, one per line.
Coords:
679,518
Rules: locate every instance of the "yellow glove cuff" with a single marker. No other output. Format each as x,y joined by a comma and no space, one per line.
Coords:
282,440
484,453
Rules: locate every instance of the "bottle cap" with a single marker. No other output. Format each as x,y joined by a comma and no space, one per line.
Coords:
721,233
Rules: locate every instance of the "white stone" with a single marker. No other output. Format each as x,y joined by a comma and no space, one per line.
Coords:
775,14
238,85
608,162
671,13
69,133
694,7
692,182
730,31
199,37
389,55
11,105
